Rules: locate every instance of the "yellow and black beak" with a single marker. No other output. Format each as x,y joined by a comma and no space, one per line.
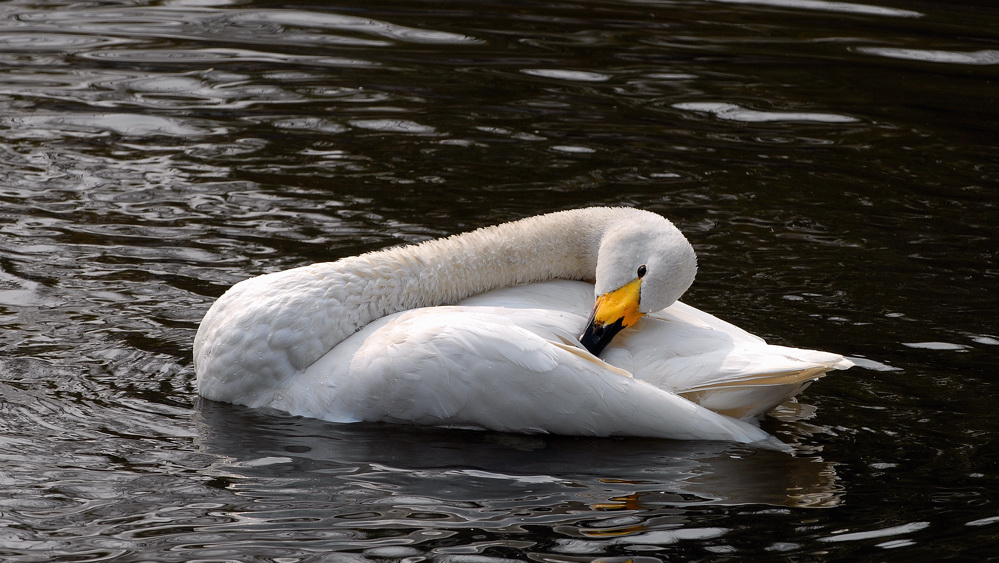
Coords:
612,312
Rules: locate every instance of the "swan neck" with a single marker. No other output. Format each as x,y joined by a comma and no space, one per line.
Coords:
294,317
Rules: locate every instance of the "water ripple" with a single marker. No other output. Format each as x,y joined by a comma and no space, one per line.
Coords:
338,22
34,42
732,112
827,6
982,57
393,126
878,533
222,55
574,75
256,26
39,126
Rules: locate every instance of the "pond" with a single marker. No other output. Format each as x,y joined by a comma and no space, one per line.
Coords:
834,164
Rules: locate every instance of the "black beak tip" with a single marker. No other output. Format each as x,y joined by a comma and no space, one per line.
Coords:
596,337
590,339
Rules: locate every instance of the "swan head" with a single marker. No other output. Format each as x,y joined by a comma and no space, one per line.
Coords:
643,266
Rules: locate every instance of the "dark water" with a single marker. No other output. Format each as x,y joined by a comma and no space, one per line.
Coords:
834,164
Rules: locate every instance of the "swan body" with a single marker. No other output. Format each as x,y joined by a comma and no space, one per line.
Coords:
481,330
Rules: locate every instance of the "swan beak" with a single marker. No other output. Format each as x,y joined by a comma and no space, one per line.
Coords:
612,312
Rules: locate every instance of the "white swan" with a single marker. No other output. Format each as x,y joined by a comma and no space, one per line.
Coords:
372,337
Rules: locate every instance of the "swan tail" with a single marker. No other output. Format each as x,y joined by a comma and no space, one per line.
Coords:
755,394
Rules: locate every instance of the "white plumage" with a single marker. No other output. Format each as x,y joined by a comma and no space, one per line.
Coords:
480,330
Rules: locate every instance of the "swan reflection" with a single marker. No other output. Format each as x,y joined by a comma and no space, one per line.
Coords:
400,474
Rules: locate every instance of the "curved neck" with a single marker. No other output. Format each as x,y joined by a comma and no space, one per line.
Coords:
443,271
304,312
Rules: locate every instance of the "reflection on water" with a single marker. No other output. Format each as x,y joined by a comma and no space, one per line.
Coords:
596,493
629,472
833,163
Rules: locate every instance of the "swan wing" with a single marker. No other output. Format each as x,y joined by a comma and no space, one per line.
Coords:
717,364
689,352
499,369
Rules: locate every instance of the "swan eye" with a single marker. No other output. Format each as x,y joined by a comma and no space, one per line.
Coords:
642,270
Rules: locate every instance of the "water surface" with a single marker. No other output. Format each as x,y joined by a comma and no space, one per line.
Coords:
833,163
